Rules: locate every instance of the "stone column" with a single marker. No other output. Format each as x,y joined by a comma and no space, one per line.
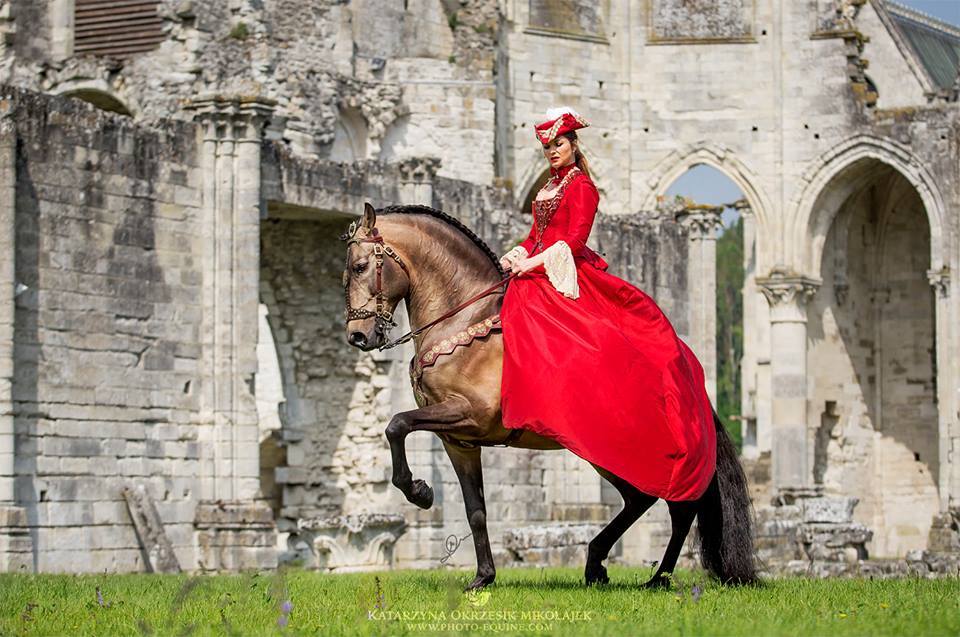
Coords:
749,362
15,543
788,293
234,530
948,481
702,223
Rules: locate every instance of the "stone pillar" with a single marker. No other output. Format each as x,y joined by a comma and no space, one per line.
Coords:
787,294
748,365
948,481
702,223
15,543
234,529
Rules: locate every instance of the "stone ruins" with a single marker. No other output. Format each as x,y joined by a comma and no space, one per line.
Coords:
176,391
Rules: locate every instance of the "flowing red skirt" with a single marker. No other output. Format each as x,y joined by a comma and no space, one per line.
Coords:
606,376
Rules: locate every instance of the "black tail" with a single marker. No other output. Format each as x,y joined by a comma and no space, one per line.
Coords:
725,520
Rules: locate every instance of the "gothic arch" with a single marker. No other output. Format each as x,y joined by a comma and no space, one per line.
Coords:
833,177
723,159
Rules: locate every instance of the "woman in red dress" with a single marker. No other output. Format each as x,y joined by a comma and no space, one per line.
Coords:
590,360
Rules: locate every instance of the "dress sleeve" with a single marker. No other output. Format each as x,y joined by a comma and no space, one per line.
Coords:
561,269
582,198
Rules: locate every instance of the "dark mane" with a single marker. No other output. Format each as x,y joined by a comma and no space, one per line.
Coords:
456,223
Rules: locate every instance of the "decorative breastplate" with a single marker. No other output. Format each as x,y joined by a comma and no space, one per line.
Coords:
544,209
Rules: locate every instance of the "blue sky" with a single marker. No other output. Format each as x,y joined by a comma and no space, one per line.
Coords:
707,185
946,10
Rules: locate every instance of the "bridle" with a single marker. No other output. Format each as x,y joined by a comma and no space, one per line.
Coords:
383,317
379,249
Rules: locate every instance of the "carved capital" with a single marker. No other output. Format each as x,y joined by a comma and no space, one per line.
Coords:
940,280
418,169
235,117
701,222
742,206
787,293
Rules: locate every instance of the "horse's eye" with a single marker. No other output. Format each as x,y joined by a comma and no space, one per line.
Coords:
360,267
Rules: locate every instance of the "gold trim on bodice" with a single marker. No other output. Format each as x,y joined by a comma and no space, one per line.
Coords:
544,209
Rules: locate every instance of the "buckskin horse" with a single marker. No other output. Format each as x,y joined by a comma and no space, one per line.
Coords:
435,264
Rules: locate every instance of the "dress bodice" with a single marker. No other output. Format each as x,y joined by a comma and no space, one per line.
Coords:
545,209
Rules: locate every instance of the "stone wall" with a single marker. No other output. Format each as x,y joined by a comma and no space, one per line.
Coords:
334,68
106,342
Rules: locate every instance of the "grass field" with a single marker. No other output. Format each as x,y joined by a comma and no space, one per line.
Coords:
523,601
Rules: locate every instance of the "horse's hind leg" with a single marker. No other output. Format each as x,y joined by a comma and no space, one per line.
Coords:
681,517
635,504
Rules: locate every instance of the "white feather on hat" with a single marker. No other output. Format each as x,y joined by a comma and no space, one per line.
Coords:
554,113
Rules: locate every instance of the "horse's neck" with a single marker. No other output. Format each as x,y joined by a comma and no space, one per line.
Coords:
447,270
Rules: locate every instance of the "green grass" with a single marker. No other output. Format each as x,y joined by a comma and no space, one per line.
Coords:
342,605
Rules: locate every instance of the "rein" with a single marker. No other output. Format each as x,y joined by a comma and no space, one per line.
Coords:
385,317
406,337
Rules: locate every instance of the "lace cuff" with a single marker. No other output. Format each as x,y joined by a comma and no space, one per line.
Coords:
517,253
561,269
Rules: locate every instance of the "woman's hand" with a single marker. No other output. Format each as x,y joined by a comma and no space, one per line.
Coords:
530,264
509,260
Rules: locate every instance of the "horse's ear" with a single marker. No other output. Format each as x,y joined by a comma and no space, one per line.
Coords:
369,216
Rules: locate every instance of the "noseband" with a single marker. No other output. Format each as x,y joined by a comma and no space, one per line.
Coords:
379,249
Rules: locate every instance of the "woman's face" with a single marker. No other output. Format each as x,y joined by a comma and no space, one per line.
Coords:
559,152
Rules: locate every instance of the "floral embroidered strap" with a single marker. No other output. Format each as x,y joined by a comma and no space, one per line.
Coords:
446,346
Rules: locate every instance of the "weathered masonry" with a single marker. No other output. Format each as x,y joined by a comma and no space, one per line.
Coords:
175,174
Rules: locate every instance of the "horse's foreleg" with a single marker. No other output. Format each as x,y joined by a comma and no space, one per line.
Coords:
681,517
466,462
635,504
444,416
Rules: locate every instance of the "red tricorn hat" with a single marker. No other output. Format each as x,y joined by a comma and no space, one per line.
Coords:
559,121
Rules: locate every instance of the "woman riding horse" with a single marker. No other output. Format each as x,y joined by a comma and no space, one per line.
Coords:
586,361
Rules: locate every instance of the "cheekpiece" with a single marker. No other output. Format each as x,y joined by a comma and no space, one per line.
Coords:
559,121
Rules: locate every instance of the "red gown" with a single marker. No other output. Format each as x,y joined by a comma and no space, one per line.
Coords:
604,374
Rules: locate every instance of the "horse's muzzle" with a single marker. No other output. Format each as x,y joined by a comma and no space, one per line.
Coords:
357,339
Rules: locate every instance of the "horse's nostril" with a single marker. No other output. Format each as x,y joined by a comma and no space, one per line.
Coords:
357,339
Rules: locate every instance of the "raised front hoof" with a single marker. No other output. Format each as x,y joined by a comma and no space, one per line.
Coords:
479,582
658,583
421,494
597,575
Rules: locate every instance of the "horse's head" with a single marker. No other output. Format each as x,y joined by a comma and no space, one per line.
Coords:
374,282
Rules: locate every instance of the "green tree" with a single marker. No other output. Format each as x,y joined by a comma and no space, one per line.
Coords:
730,326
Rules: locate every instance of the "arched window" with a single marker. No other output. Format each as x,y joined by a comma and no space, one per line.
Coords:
704,185
350,137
